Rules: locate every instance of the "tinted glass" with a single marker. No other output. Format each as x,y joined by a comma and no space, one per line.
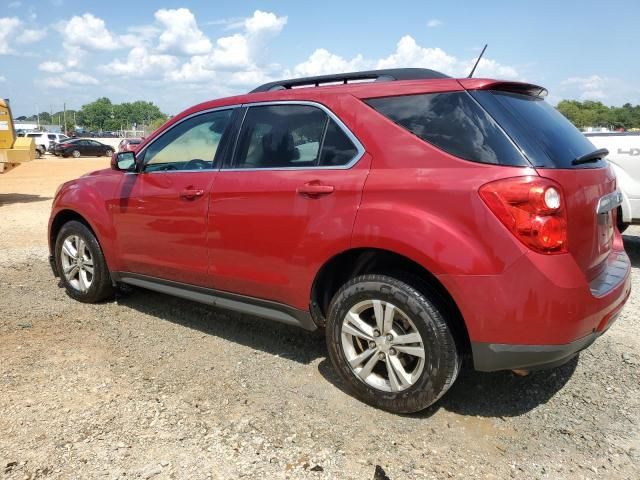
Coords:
51,137
278,136
337,149
191,145
545,135
453,122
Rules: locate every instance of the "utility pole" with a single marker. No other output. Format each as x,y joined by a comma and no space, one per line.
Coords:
64,109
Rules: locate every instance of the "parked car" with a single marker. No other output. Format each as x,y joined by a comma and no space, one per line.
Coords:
45,140
129,144
624,156
78,147
422,220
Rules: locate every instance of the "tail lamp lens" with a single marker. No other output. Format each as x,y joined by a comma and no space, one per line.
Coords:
532,209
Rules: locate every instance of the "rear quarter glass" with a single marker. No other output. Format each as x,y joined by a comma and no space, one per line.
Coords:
546,137
453,122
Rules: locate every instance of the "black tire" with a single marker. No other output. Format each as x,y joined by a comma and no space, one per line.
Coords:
622,226
101,286
108,152
75,154
442,358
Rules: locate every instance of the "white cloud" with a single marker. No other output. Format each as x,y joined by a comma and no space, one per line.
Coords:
8,29
141,62
589,88
434,22
264,23
31,36
323,62
70,78
87,32
196,70
407,54
181,35
51,67
238,56
3,78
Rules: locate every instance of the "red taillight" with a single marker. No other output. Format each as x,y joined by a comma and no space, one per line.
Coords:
532,208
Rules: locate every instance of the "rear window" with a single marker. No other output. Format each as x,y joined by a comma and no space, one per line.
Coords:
453,122
547,138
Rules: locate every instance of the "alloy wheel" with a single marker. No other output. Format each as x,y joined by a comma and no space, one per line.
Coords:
382,346
77,263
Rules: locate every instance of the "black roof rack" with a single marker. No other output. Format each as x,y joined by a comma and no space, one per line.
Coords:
386,75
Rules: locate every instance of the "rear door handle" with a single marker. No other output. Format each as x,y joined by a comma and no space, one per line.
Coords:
191,193
315,189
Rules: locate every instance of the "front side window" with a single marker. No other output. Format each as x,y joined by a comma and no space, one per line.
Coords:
191,145
453,122
291,136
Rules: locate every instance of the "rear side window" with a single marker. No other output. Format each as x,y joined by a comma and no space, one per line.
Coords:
453,122
542,132
291,136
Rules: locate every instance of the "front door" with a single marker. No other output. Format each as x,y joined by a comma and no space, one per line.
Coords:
161,213
285,204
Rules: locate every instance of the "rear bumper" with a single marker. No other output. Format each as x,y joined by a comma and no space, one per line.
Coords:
491,357
540,311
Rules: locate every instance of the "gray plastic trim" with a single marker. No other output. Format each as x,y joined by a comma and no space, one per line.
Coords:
215,298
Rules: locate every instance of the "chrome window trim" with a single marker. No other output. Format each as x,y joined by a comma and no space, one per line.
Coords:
359,147
195,114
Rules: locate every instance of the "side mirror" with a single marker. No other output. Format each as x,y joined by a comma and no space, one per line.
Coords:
124,161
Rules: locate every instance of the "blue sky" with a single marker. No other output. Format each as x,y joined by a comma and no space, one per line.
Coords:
177,53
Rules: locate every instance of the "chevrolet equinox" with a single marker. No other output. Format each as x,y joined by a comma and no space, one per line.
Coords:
421,220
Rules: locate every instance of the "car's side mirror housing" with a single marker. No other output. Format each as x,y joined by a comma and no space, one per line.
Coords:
124,161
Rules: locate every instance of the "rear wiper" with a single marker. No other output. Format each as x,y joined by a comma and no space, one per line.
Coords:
591,157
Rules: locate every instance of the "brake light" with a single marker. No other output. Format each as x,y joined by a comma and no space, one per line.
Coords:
532,208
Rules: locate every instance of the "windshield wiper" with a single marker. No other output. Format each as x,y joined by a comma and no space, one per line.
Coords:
591,157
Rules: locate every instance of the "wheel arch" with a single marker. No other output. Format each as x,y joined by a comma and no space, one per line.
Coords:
358,261
60,219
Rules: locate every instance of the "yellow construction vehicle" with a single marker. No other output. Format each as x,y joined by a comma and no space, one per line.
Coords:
13,151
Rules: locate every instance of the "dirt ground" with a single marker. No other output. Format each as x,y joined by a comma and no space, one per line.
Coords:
149,386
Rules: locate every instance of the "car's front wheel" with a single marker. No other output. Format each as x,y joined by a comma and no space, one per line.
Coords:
108,152
391,344
81,265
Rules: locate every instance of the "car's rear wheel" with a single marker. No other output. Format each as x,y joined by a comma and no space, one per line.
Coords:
81,264
391,344
76,154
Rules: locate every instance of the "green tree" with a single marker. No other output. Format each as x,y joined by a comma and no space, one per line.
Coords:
104,115
96,114
596,114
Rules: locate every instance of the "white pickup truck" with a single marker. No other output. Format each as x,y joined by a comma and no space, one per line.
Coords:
624,156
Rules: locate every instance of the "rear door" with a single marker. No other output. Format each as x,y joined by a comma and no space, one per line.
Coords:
286,203
553,145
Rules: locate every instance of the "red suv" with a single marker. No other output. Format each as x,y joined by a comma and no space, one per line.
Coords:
421,220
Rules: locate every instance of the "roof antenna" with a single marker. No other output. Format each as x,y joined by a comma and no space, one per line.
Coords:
477,61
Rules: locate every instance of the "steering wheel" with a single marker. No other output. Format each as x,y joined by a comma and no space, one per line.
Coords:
197,164
168,166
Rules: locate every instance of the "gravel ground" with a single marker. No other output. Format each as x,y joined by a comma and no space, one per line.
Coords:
150,386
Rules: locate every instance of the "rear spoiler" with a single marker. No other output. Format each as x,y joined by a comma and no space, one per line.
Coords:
504,86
